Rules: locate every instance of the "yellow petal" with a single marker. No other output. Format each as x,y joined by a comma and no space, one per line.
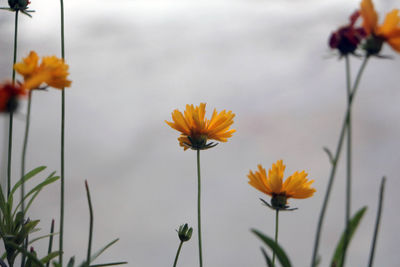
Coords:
370,18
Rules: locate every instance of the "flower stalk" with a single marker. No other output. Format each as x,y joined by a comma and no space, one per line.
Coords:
10,127
336,159
276,234
62,176
199,208
348,162
24,148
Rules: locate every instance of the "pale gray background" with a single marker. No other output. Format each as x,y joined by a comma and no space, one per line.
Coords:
133,62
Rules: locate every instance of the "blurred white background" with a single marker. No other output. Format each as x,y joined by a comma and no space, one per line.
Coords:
133,62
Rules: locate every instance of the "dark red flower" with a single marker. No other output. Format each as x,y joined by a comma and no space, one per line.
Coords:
9,95
347,38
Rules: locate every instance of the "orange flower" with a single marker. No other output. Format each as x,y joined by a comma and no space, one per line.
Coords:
196,129
9,94
52,71
295,186
388,32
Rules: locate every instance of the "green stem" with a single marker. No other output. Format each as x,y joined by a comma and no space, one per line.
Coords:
276,234
10,127
335,161
177,254
24,148
89,251
61,240
348,163
198,208
50,241
377,222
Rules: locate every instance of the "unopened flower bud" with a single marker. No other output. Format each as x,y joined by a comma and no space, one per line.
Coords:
18,4
184,232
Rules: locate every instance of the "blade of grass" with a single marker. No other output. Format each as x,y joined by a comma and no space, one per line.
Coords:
280,253
346,237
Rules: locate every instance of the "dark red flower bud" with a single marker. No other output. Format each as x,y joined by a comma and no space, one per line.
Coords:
18,4
347,38
9,95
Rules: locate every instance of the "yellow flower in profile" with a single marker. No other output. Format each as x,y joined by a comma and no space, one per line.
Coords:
388,32
295,186
196,129
52,71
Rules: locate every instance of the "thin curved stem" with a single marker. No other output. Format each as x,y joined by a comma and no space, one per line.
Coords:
335,161
10,127
24,148
276,234
348,163
61,240
177,254
199,208
377,222
89,250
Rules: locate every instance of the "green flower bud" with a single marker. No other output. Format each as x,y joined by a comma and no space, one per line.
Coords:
279,202
18,4
373,45
184,232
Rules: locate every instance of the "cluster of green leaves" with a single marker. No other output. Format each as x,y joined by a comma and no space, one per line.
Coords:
15,229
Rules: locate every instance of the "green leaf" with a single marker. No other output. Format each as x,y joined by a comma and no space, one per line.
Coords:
29,255
109,264
267,258
280,253
71,262
41,237
39,187
26,177
99,252
49,257
36,194
337,256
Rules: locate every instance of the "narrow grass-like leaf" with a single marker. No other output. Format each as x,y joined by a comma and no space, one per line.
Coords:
37,188
36,194
99,252
279,252
42,237
377,222
353,224
26,177
329,153
71,262
109,264
49,257
267,258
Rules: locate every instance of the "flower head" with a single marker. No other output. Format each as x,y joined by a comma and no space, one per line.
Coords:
388,32
184,232
52,71
196,129
9,95
295,186
347,38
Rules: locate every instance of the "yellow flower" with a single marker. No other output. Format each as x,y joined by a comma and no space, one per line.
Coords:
388,32
52,71
295,186
196,129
